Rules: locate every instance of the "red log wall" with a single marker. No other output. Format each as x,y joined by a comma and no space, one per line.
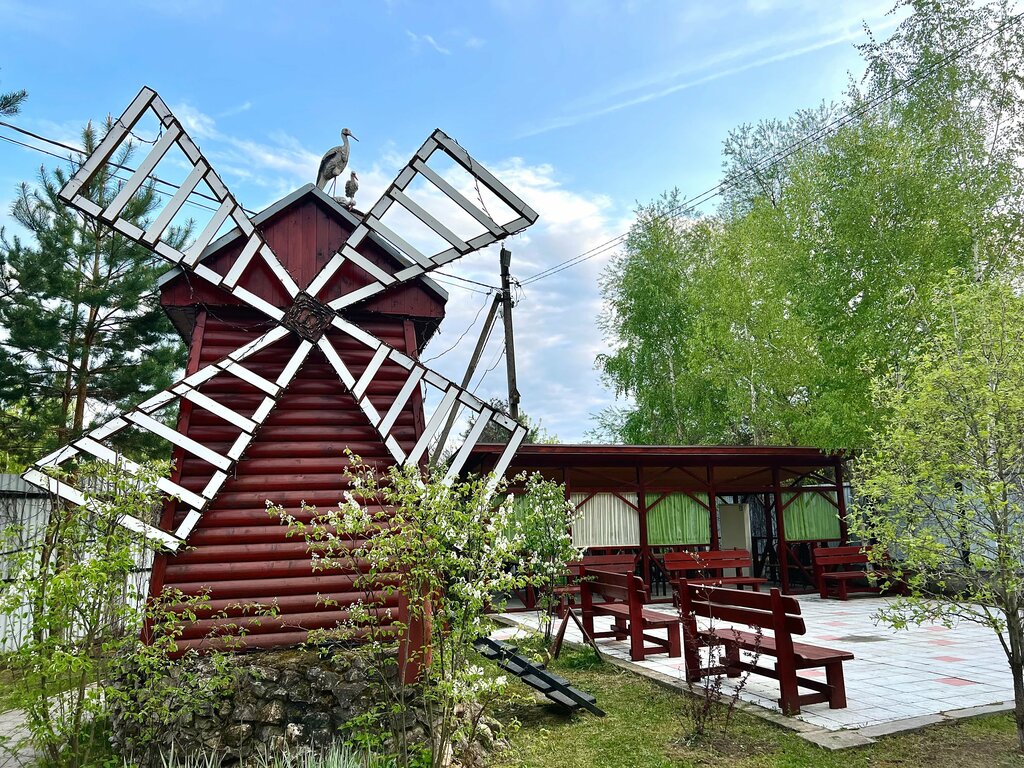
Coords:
238,554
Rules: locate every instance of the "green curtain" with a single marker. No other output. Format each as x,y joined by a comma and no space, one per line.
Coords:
810,516
678,519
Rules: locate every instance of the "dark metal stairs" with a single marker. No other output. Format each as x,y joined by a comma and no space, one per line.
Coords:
555,687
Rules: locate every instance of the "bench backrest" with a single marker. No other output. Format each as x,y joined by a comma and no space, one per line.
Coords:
617,587
714,560
613,563
771,611
833,557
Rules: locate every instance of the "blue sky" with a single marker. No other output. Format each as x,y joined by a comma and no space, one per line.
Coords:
584,107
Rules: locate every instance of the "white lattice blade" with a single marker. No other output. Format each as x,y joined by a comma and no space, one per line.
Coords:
222,411
399,242
243,260
138,178
209,232
101,452
471,440
430,220
475,169
501,466
186,389
336,363
190,522
370,371
69,493
117,133
182,441
447,402
400,400
173,137
161,222
397,196
463,202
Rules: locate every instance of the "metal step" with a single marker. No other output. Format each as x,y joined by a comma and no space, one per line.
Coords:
555,687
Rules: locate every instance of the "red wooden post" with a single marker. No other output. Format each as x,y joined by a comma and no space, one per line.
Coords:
841,503
713,508
645,551
781,545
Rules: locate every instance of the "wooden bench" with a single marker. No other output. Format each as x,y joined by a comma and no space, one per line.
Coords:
568,593
713,564
766,612
623,596
840,567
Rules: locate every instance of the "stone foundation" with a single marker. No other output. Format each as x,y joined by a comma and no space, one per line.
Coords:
274,700
270,701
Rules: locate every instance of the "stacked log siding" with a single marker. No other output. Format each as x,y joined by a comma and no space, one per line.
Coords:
239,555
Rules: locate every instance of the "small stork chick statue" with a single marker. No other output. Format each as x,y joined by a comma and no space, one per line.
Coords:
334,161
351,187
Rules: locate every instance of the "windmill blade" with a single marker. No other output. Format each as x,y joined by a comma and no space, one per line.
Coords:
228,211
91,445
453,398
398,196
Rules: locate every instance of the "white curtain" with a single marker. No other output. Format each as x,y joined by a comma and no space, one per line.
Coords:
606,521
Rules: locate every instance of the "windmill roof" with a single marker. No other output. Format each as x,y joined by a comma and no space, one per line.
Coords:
291,199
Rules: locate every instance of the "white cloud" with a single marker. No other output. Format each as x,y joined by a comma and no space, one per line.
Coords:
556,320
279,164
236,110
420,40
556,330
614,98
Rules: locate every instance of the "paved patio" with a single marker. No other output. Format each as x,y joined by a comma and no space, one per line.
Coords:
898,680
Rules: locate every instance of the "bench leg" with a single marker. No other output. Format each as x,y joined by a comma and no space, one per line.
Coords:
621,630
637,650
836,685
823,589
843,594
691,649
675,647
789,693
731,654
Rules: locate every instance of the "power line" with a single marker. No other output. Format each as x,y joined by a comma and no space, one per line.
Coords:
488,286
463,335
781,154
79,151
501,354
114,175
170,185
460,287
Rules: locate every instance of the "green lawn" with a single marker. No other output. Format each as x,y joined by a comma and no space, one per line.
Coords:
645,728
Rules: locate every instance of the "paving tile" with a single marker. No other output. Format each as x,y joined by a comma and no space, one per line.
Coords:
955,681
898,680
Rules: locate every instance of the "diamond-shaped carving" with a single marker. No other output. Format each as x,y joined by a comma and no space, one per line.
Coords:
308,318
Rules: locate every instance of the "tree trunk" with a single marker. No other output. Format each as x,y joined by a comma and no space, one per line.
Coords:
1015,634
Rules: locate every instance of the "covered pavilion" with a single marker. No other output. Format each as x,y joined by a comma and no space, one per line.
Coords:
777,502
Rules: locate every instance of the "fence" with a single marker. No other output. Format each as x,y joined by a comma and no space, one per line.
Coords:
25,510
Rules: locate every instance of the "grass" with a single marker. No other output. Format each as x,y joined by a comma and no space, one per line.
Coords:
9,677
645,728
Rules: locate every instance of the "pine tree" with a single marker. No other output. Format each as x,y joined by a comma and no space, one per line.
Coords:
82,334
10,103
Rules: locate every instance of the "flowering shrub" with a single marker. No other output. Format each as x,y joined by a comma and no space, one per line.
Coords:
443,555
544,515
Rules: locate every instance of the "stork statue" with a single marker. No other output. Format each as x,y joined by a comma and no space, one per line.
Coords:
351,187
334,161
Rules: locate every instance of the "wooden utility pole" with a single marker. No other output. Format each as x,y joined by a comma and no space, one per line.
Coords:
481,342
510,347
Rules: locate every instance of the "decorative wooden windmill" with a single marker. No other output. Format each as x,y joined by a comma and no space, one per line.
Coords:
331,317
